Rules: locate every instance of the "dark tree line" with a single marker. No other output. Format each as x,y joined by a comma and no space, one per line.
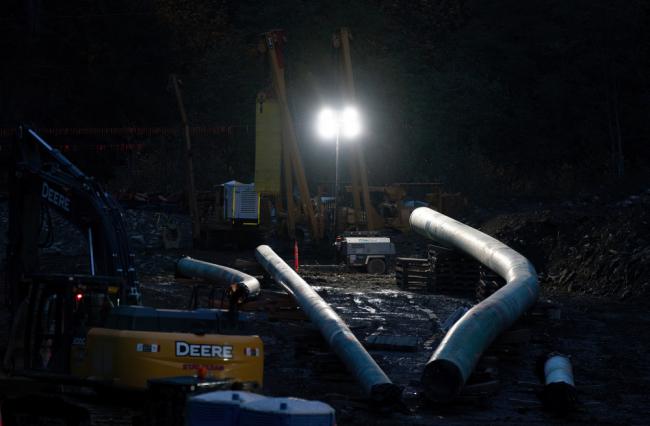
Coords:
494,98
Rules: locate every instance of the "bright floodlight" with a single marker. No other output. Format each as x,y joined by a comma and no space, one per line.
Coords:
328,123
350,122
331,123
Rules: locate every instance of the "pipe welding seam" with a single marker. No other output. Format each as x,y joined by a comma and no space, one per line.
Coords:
376,385
455,358
189,267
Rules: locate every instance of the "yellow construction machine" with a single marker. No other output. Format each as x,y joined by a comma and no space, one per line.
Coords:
92,326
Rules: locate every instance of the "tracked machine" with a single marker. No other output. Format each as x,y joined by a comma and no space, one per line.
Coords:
91,327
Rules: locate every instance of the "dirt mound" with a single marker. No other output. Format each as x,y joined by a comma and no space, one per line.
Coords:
590,247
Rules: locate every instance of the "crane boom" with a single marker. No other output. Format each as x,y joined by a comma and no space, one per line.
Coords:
358,161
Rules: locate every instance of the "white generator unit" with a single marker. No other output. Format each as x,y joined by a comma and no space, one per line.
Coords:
375,254
241,203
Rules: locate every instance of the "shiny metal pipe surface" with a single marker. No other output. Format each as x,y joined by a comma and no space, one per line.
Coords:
189,267
559,394
376,385
455,358
558,369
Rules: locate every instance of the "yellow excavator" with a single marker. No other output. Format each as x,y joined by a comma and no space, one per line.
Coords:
91,327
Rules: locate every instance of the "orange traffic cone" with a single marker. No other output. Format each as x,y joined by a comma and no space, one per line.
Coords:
295,255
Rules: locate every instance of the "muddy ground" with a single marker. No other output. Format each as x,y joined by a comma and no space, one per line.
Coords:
605,339
603,329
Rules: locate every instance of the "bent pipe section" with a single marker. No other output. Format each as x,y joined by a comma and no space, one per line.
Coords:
376,385
188,267
455,358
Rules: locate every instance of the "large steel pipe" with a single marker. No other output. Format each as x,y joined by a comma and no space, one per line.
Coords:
376,385
189,267
456,356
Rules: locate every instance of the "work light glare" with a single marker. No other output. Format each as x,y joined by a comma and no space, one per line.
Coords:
327,123
350,122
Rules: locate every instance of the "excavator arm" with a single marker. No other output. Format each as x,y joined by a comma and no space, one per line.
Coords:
42,179
80,326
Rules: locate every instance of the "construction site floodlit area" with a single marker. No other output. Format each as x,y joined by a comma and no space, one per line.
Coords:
333,256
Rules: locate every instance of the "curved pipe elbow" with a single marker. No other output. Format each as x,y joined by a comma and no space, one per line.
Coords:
188,267
457,355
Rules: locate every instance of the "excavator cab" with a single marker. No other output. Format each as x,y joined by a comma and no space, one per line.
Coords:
58,312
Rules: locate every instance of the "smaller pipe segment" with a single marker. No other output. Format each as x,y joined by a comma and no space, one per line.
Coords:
188,267
559,394
557,369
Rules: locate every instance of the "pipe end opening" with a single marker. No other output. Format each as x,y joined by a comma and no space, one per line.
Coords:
386,395
442,380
